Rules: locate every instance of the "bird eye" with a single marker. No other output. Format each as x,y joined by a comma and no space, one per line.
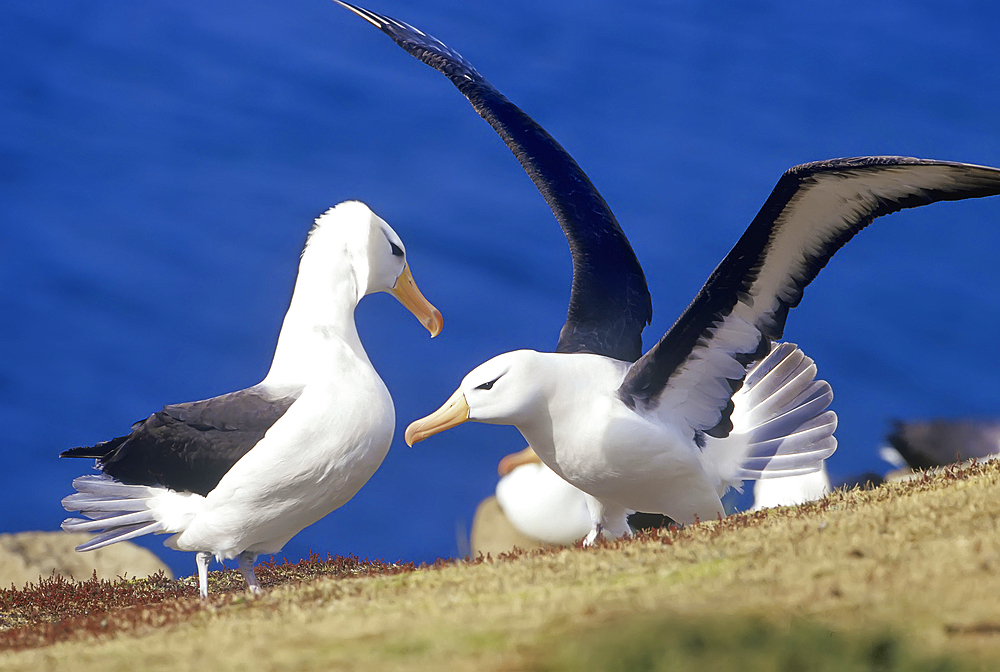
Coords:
396,249
489,385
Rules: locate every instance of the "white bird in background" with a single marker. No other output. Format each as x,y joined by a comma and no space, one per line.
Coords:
637,436
791,490
538,503
240,474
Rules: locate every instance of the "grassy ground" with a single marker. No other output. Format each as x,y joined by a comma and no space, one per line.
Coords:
904,577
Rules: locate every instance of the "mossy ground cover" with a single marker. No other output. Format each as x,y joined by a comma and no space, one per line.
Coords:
904,577
747,644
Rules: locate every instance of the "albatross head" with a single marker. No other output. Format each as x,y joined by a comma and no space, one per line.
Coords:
509,389
376,255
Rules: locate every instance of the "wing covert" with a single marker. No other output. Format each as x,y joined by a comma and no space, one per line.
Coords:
190,447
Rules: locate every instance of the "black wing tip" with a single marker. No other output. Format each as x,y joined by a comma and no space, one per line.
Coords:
419,44
93,452
371,17
392,27
102,450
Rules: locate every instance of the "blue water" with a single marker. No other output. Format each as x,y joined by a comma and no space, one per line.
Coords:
161,164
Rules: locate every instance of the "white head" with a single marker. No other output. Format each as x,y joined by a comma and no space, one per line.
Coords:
509,389
350,236
350,252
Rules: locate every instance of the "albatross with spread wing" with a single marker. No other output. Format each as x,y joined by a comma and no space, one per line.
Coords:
644,432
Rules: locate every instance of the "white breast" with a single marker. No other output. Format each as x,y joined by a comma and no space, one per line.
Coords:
312,461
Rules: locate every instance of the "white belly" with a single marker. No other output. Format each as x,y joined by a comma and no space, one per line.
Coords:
620,457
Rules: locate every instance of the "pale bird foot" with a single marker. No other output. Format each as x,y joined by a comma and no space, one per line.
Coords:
593,536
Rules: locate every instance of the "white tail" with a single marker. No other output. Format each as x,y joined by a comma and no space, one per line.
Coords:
781,425
119,511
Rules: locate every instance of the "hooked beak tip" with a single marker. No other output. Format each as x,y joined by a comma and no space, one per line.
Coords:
434,323
453,412
406,292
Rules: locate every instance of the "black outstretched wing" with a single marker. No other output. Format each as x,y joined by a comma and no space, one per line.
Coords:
609,305
813,211
189,447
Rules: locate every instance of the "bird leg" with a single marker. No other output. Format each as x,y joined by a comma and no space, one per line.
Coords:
596,509
606,518
202,558
245,561
595,533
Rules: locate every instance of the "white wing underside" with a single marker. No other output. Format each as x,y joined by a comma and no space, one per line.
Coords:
826,208
791,491
781,425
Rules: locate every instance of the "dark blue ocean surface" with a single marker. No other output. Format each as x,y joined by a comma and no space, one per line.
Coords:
162,163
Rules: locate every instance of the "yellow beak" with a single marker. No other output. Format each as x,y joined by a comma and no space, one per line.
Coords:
454,412
406,291
510,462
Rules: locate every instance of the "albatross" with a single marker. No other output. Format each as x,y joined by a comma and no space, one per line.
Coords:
543,506
238,475
637,431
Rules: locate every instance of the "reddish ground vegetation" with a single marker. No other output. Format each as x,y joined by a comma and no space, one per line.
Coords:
59,609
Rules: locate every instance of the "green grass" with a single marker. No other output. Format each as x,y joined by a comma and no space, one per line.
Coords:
904,577
748,644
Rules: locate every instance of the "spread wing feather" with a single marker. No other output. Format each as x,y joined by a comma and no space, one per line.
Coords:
814,210
609,304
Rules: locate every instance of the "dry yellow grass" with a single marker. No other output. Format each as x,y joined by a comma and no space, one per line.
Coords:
918,560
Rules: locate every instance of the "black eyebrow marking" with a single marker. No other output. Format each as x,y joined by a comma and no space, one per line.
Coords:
489,385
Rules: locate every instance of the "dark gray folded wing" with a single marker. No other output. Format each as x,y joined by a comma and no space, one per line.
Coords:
935,443
813,211
190,447
609,304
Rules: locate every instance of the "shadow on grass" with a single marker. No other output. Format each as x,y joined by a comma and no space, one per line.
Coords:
746,644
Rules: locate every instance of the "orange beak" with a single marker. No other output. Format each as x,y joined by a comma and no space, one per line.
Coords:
406,291
511,462
454,412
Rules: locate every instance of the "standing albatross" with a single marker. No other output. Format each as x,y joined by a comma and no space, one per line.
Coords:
240,474
638,436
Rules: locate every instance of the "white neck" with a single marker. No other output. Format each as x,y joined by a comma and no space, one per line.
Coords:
318,324
579,391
